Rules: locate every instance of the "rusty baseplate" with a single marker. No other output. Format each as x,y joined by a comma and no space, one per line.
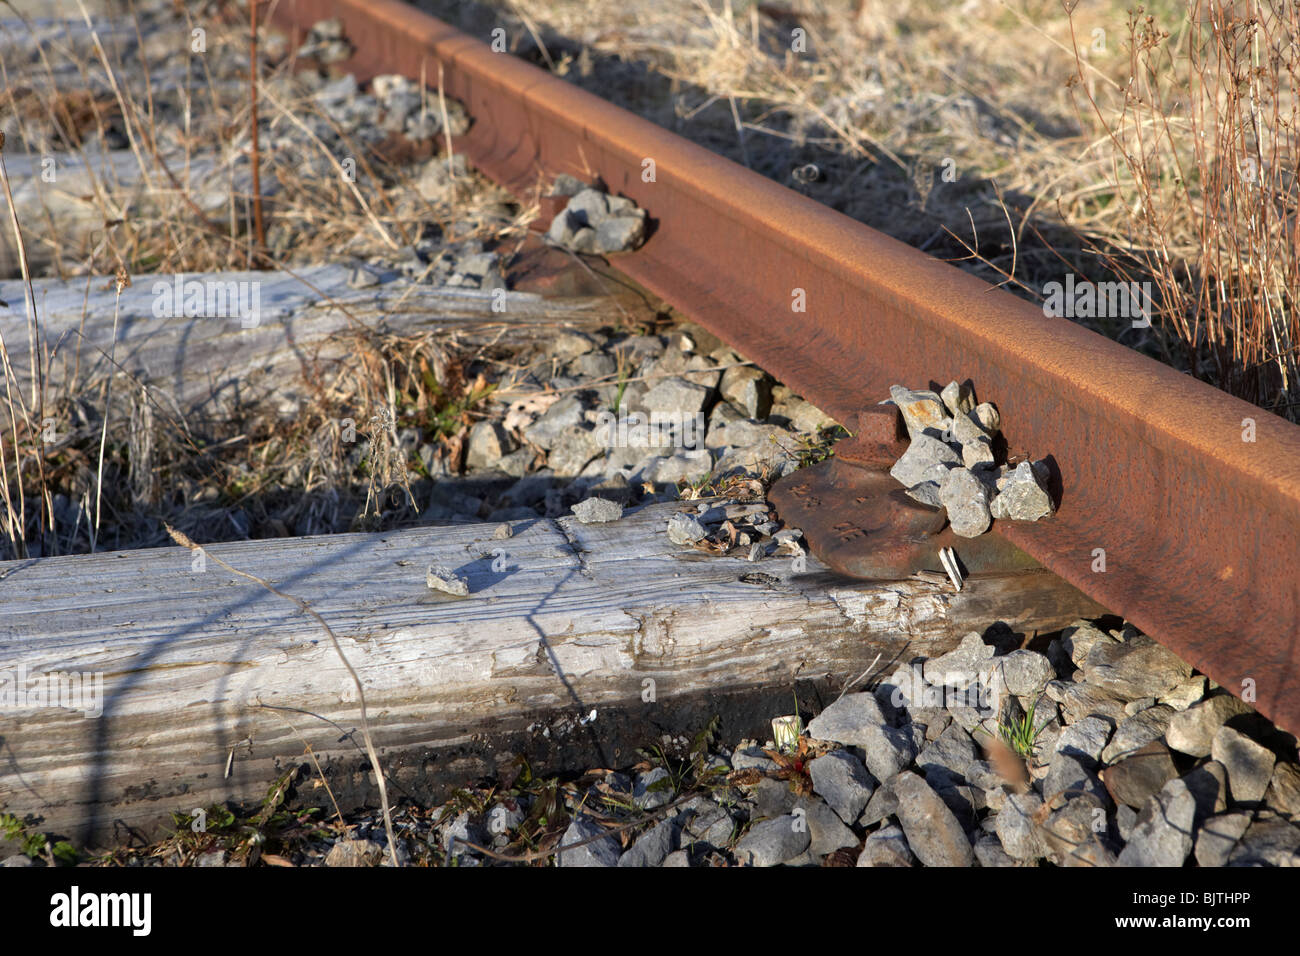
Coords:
858,520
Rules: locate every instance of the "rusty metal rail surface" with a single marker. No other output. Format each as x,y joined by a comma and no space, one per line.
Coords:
1200,528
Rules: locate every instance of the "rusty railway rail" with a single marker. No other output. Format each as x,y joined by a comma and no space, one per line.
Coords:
1200,528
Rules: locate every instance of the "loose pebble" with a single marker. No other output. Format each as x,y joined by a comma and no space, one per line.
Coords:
442,579
684,529
595,222
597,510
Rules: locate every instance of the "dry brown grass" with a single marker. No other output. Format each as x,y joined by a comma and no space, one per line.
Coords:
156,223
125,462
347,461
1023,139
1203,150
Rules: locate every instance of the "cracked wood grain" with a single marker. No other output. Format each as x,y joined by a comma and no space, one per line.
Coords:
194,662
210,365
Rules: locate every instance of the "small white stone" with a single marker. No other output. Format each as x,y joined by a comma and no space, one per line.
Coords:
442,579
988,417
685,529
966,501
1022,497
958,398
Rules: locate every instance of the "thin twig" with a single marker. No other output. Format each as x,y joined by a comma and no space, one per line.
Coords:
256,157
37,369
446,127
120,283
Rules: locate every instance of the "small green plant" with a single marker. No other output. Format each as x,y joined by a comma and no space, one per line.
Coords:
36,845
1020,734
245,833
624,373
694,772
813,449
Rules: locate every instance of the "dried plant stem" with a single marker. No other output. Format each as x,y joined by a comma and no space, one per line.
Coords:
446,126
365,206
315,763
536,855
255,158
127,125
108,408
17,524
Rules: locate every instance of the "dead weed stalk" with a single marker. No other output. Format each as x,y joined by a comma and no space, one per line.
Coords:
1202,154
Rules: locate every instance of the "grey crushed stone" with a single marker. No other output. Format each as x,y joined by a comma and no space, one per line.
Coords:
970,661
827,832
1016,828
1134,669
1217,836
1072,773
1192,731
602,851
653,847
551,423
1022,496
440,578
841,779
932,832
1022,673
597,510
774,841
1135,778
1249,764
924,453
989,853
1071,835
886,847
958,398
857,720
921,410
685,529
645,793
1267,842
1088,737
1163,834
1209,786
1283,793
595,222
747,388
964,498
1137,731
